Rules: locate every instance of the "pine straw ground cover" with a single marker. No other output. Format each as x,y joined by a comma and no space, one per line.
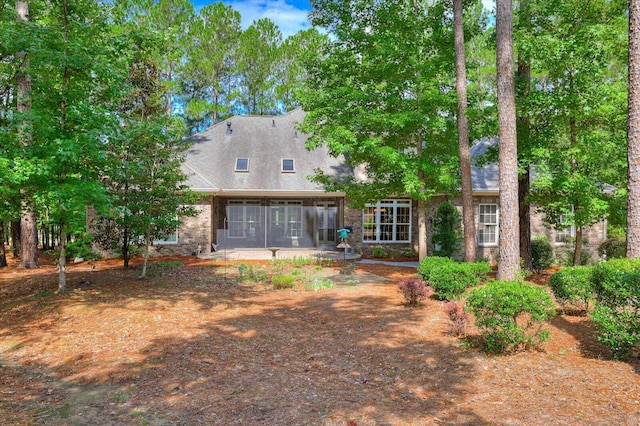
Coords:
191,346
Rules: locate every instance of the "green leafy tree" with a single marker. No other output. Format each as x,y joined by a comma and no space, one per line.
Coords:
580,119
446,230
381,94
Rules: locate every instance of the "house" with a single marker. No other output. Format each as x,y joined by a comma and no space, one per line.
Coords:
252,173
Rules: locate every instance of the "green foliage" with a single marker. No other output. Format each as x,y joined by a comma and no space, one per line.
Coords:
378,252
251,273
541,253
447,230
414,291
450,279
510,314
613,248
81,248
318,284
565,257
617,313
573,286
282,281
429,264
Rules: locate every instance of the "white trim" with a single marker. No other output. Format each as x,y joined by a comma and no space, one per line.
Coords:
378,209
496,225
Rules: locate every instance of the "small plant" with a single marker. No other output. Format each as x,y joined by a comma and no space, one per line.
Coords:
414,291
447,234
510,314
45,293
378,252
282,281
429,264
541,254
251,273
451,279
459,318
318,284
572,286
296,272
166,264
617,312
613,248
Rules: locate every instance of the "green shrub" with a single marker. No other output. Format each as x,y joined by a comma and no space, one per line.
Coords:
573,286
617,314
81,248
414,291
447,234
428,264
510,314
378,252
450,281
613,248
283,281
318,284
541,254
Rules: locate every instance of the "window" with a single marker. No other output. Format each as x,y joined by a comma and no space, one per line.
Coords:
387,221
243,218
287,165
487,224
171,238
563,235
242,164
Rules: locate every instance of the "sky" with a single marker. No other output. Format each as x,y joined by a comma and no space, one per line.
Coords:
289,15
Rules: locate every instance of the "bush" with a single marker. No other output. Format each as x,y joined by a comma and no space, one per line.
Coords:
378,252
573,286
414,291
541,253
451,279
565,258
447,233
613,248
81,248
617,314
429,264
283,281
459,318
510,314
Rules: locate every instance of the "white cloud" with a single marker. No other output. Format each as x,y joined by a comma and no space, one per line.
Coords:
490,5
287,17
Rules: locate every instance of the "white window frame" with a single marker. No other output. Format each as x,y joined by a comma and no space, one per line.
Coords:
238,224
237,169
170,239
564,233
483,226
391,230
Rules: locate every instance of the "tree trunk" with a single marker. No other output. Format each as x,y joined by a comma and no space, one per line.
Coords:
577,252
15,238
524,132
524,184
62,261
422,230
463,136
125,247
147,243
509,257
28,229
633,133
3,252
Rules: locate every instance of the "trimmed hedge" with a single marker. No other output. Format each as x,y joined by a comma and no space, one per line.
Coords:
617,315
541,254
509,314
573,286
450,279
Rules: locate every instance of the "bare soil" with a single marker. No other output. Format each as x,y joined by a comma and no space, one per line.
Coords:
190,345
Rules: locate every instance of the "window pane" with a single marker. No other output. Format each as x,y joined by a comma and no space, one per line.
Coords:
287,165
242,164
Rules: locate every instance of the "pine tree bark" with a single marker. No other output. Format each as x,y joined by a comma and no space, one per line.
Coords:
509,249
633,133
28,229
3,252
463,136
15,238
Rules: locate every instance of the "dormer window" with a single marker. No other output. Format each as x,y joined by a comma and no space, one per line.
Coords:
242,164
287,165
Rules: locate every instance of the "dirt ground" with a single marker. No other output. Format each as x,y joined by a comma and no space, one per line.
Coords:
192,346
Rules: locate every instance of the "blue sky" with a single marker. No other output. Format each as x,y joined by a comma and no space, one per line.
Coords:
289,15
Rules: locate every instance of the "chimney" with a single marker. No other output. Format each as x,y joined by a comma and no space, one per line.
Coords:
229,131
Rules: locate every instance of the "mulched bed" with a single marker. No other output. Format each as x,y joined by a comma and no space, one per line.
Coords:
190,345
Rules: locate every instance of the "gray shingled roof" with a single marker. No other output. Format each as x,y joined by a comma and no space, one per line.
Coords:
265,141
